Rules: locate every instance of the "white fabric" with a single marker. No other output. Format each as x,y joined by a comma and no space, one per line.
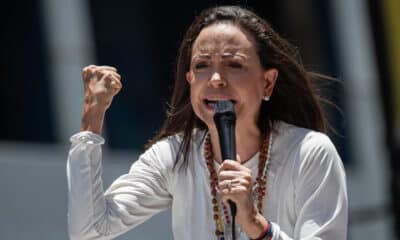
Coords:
306,189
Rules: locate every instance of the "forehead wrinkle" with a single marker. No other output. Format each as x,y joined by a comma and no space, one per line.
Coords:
213,43
221,39
225,50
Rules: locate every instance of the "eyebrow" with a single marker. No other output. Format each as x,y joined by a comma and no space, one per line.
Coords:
203,55
224,55
230,55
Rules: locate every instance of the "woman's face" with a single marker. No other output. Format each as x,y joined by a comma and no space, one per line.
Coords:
225,66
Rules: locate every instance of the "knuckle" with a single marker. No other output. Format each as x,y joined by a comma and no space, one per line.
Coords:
107,76
247,178
246,183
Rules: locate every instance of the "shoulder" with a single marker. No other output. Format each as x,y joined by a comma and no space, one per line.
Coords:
164,150
167,149
301,138
305,146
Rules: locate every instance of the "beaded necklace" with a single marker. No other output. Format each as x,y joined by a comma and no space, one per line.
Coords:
259,187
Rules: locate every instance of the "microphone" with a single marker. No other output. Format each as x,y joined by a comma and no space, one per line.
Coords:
225,121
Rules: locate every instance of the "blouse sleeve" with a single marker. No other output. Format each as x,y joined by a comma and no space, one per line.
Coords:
129,201
320,192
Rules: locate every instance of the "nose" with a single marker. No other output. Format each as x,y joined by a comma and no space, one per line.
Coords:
216,81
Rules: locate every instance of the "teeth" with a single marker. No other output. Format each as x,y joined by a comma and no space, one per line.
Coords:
212,103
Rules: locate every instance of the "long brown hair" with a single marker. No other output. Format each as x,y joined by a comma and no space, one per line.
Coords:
294,99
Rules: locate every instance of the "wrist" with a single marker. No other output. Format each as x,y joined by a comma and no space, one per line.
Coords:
92,118
255,225
267,232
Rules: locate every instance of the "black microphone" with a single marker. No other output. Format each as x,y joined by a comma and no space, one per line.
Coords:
225,121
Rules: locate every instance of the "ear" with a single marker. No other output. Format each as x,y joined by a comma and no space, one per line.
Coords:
189,77
270,77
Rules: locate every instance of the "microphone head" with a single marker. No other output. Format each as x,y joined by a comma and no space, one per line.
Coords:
224,107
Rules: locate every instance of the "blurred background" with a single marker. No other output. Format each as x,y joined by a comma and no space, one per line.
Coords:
44,44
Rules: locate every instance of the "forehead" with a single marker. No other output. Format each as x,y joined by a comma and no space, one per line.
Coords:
223,37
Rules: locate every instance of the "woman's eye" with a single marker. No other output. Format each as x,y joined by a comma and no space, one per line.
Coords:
200,65
235,65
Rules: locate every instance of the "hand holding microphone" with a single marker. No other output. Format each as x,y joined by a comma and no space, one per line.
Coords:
225,121
235,181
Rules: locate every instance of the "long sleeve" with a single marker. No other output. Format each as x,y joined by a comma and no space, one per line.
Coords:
130,200
320,195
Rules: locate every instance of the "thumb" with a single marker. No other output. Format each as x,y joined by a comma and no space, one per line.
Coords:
238,158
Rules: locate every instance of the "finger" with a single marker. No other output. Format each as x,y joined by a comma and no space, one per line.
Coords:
87,71
116,75
102,72
112,83
90,68
245,181
109,68
232,165
93,73
97,70
109,80
229,175
115,83
86,68
115,80
105,67
238,158
234,194
233,183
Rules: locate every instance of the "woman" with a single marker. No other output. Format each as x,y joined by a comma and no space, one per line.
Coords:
289,182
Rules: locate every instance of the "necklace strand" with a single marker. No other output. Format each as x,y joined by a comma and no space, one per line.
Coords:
259,187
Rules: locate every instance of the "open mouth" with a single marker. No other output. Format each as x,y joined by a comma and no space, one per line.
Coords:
211,103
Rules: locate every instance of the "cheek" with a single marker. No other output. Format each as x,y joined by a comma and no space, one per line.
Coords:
252,88
195,90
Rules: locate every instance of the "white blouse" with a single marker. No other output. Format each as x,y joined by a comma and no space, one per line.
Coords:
306,189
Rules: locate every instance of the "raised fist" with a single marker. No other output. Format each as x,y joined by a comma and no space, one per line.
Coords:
101,84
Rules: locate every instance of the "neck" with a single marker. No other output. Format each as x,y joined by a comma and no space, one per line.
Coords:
248,142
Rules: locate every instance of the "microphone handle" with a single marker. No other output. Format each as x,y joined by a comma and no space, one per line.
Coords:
226,134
